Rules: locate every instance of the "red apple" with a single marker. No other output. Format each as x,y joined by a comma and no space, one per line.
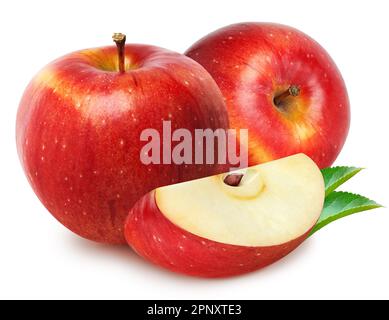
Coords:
79,125
282,86
231,223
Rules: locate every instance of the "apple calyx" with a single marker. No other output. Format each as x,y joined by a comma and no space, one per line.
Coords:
120,40
292,91
233,179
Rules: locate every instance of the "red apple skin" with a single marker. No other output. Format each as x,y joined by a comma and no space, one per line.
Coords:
79,124
254,62
158,240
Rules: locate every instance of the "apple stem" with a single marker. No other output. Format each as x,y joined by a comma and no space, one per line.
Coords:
120,40
233,179
293,91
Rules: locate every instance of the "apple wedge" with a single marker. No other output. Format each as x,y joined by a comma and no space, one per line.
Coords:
231,223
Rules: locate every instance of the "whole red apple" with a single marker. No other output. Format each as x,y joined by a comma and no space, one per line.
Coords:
79,125
282,86
230,223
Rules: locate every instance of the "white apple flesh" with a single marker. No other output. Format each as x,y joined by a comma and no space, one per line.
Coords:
206,227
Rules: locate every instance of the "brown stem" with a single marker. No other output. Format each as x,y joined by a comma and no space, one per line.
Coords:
120,40
233,179
293,91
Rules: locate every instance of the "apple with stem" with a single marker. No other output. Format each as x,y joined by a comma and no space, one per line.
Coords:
282,86
231,223
79,125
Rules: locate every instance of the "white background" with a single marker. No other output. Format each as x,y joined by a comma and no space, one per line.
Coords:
349,259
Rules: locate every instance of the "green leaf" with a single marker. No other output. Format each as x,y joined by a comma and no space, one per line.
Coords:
341,204
335,176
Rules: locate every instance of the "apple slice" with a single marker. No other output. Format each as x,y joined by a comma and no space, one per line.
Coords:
230,223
